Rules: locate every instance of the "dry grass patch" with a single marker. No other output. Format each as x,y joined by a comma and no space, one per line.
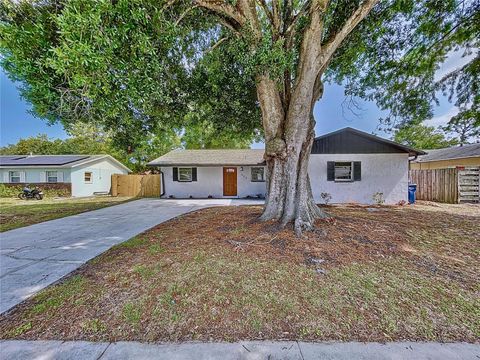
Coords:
368,274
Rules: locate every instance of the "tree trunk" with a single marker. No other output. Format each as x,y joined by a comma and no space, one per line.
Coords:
289,195
289,138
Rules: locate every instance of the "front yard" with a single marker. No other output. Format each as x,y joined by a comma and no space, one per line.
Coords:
367,274
15,213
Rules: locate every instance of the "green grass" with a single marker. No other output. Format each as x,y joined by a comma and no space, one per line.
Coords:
15,213
94,326
132,313
51,299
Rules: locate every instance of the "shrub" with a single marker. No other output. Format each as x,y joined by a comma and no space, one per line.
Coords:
9,191
12,191
378,198
326,197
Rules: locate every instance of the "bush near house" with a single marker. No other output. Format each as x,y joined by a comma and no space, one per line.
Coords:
50,190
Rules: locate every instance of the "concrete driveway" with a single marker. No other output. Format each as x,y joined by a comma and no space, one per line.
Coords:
35,256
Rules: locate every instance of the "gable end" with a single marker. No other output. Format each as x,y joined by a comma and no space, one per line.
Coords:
351,141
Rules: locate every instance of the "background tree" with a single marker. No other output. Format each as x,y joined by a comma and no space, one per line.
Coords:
139,66
423,137
466,125
39,144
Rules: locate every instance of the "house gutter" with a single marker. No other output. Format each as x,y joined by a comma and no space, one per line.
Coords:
163,183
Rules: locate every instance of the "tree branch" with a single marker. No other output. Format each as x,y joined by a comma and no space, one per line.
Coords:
276,16
185,13
303,11
217,44
358,15
225,10
268,13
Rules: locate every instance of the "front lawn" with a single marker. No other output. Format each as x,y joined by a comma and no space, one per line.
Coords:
367,274
15,213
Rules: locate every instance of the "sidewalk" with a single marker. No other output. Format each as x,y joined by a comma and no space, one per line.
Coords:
248,350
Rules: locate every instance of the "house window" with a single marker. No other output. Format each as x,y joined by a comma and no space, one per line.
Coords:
343,171
14,176
185,174
52,176
88,177
258,174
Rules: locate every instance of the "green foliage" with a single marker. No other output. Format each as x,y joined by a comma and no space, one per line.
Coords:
466,125
393,57
149,71
423,137
9,191
126,66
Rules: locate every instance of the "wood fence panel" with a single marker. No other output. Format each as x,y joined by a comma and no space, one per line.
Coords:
436,184
452,185
150,185
136,185
114,185
469,184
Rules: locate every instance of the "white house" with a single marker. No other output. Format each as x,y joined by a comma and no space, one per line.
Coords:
212,173
80,175
349,165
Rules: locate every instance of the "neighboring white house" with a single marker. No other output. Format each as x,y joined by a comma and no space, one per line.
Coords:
82,175
349,165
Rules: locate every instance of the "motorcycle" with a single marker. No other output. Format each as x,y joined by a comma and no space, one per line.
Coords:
28,193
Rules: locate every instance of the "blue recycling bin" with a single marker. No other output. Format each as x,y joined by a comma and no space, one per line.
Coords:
412,189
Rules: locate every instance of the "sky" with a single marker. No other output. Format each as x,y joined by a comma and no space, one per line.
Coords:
331,112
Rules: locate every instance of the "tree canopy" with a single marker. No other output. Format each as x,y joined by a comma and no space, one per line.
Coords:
142,67
465,125
396,57
121,65
423,137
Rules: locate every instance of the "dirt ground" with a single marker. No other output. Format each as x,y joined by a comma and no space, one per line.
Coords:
366,273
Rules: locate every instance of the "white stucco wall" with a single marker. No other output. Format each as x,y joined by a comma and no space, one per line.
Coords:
101,170
33,175
386,173
210,183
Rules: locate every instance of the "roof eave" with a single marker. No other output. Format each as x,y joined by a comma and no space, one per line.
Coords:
449,158
411,151
205,165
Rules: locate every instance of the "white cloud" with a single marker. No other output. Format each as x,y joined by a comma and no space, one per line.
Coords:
441,120
455,60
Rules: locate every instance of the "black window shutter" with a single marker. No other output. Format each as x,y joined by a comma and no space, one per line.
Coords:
175,174
194,174
330,170
357,171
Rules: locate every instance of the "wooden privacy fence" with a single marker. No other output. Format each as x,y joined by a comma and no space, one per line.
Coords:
136,185
453,185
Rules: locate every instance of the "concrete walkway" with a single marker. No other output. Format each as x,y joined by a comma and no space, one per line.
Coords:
35,256
81,350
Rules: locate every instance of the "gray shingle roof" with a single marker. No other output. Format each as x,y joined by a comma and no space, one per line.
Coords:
32,160
454,152
63,161
210,158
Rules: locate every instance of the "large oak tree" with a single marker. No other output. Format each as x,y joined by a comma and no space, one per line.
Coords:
138,65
